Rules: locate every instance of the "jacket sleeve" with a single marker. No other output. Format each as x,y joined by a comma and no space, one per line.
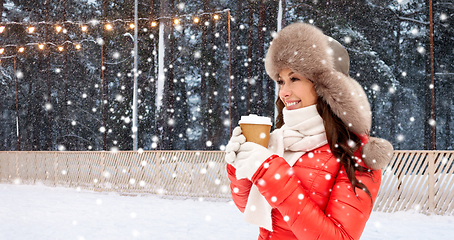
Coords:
345,215
239,188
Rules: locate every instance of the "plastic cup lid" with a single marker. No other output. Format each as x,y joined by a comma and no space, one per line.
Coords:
254,119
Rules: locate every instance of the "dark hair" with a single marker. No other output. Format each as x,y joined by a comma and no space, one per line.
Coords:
338,136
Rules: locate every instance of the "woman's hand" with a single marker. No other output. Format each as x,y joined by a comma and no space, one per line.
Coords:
249,158
234,145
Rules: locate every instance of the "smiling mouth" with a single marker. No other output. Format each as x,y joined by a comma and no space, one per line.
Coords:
292,103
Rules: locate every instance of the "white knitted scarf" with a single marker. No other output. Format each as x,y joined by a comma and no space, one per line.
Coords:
303,131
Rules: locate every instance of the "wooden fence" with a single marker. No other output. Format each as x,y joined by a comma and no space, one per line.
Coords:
418,180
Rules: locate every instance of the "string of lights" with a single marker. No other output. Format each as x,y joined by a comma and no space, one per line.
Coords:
109,25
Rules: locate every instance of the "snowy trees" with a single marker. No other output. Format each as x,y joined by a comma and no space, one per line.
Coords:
81,99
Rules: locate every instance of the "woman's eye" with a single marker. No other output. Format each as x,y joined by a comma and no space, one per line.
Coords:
280,82
294,79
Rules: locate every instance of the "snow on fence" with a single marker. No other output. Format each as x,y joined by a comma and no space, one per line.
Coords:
419,180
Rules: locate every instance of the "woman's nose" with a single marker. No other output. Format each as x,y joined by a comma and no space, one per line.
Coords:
285,91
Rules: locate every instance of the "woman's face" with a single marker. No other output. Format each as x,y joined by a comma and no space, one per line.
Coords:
295,91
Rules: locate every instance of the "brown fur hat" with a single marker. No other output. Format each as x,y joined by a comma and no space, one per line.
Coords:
307,51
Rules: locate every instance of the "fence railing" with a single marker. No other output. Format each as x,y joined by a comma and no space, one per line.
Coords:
419,180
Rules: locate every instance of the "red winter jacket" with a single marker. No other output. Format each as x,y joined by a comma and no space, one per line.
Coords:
311,200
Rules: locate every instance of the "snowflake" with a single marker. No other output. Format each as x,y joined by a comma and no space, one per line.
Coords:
197,54
227,122
377,224
119,98
48,106
100,41
392,90
421,49
132,181
347,39
375,87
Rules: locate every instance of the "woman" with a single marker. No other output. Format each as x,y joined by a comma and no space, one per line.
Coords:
321,173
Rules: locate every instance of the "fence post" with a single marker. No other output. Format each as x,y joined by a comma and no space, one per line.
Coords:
101,182
431,172
56,168
17,168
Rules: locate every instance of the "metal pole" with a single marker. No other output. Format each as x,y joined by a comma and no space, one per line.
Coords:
135,72
432,72
230,80
103,103
279,27
17,107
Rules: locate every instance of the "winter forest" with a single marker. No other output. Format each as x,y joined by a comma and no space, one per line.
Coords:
67,69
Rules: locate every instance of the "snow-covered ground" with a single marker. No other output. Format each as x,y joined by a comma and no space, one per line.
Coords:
40,212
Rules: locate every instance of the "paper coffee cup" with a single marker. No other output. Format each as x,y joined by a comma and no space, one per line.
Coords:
256,129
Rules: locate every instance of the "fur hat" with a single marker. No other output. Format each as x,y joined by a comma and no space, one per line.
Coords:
307,51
